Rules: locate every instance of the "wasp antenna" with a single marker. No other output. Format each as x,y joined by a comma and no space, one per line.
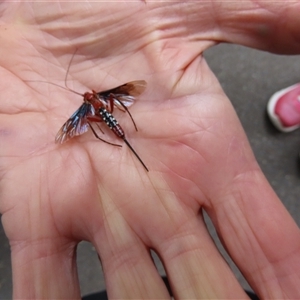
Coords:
62,87
66,85
69,66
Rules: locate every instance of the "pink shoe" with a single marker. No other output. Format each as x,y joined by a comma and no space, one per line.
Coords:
284,108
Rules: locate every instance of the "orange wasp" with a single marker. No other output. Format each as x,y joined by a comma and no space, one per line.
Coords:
98,107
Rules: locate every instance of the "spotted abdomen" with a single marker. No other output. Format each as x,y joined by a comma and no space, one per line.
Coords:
111,122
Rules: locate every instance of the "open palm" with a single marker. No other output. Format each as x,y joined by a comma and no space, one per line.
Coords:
53,196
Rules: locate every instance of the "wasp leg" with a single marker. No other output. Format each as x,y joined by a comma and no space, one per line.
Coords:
99,138
100,128
126,109
111,103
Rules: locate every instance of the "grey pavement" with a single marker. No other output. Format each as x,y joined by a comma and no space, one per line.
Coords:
249,78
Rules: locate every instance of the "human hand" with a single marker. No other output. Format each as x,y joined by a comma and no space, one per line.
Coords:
189,136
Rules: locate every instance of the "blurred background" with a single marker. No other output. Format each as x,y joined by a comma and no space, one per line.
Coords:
249,77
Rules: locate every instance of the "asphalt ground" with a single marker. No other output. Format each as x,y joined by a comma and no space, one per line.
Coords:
249,77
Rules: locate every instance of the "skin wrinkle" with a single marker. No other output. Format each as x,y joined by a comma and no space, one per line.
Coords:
49,87
281,260
177,13
267,271
110,196
169,213
166,210
267,274
37,267
242,159
165,248
193,183
25,107
50,250
180,254
99,231
144,240
232,189
127,255
193,167
40,195
201,129
258,28
273,290
158,194
217,27
179,78
262,248
189,178
52,211
200,194
11,109
66,156
182,63
96,233
255,268
139,287
116,35
241,174
103,197
291,279
116,252
171,169
256,271
229,149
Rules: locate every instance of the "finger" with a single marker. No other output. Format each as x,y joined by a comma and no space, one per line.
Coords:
129,270
249,217
44,269
254,224
267,25
194,266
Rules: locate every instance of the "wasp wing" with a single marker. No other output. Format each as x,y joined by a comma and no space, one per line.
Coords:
77,124
132,88
125,93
